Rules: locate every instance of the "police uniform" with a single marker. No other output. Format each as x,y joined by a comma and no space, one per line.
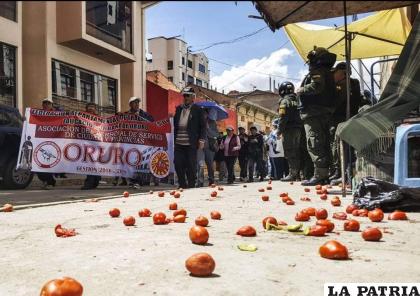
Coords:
291,128
316,95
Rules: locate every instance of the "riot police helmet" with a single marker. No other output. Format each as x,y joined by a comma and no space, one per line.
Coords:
286,88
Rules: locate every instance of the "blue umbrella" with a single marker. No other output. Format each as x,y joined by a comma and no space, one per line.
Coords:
216,112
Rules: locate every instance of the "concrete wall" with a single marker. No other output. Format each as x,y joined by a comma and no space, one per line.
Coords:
11,33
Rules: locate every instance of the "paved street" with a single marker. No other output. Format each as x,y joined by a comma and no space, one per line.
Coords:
111,259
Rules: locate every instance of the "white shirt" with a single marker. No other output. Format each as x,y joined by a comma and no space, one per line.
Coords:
272,142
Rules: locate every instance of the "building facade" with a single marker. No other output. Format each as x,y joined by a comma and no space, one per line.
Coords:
171,56
74,52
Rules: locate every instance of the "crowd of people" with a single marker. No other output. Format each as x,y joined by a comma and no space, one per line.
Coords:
302,144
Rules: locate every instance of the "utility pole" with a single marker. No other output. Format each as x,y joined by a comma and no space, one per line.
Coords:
186,66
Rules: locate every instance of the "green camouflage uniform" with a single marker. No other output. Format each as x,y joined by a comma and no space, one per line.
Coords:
294,141
316,108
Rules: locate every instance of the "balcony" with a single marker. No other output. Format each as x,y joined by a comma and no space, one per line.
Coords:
87,30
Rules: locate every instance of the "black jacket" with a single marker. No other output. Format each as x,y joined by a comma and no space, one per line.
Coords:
196,124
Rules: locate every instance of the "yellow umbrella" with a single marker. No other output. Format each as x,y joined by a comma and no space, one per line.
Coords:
381,34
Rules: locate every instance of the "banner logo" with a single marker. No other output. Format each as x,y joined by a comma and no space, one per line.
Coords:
47,155
159,164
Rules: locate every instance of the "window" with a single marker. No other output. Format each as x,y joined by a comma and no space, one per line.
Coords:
7,75
110,21
112,92
8,10
190,79
87,83
198,82
170,65
183,60
171,79
189,64
201,68
68,81
183,76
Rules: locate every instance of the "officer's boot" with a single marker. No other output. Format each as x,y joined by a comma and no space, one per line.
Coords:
320,177
293,176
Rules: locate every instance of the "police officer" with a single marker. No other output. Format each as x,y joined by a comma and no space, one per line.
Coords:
316,96
340,114
291,127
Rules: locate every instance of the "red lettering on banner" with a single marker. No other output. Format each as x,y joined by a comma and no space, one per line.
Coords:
138,159
118,155
66,152
88,152
102,154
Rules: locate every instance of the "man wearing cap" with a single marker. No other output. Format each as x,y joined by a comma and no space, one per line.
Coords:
91,181
340,114
47,179
134,104
189,134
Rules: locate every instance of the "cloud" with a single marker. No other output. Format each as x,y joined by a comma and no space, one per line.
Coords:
242,79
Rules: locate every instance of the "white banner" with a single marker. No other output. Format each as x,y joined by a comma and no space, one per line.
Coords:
82,143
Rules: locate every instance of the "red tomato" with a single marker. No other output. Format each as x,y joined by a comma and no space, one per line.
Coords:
114,212
377,215
129,221
215,215
145,213
351,225
318,187
161,194
64,286
179,219
307,189
334,250
269,188
363,213
173,206
246,231
340,216
201,221
199,235
319,192
261,190
180,212
309,211
302,216
327,223
220,188
284,194
265,198
213,194
285,198
126,194
200,264
317,230
177,195
305,198
172,192
213,185
335,201
323,196
160,218
270,220
7,208
321,214
351,208
372,234
290,202
397,215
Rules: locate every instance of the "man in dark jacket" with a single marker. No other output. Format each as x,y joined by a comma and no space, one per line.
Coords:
189,134
255,153
243,153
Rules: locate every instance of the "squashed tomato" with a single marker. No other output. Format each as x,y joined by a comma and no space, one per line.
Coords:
334,250
327,223
246,231
340,216
317,230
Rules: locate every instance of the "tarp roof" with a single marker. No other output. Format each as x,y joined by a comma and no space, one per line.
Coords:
280,13
381,34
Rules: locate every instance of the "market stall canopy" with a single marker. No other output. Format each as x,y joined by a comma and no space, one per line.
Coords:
280,13
381,34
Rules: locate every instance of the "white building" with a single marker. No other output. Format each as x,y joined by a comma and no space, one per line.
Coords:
170,56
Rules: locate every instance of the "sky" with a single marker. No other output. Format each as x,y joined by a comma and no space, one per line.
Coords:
243,65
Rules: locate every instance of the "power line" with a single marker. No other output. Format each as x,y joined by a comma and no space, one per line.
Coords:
259,64
243,37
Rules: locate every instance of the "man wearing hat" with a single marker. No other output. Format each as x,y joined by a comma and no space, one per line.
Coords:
47,179
134,104
340,114
189,134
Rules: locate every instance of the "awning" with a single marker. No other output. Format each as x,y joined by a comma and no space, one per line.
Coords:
280,13
381,34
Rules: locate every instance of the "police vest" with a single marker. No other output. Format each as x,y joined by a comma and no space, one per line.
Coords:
326,97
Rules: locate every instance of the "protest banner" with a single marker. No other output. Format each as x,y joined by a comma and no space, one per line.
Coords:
83,143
